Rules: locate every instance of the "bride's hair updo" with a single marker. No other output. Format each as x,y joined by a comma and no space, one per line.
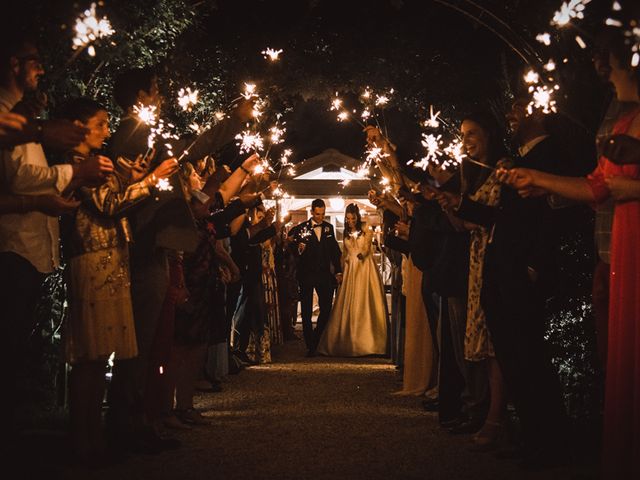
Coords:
353,209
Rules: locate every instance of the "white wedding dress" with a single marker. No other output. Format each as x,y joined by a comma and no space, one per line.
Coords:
358,322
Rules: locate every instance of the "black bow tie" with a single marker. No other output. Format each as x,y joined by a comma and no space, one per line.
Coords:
317,225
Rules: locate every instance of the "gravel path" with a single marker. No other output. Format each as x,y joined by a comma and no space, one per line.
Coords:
317,418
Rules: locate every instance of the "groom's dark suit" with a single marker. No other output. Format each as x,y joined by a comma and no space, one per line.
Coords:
317,266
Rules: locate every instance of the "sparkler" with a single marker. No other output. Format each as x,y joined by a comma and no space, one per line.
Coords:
271,54
89,29
544,38
250,141
531,77
187,98
249,91
568,11
146,113
542,99
432,122
163,185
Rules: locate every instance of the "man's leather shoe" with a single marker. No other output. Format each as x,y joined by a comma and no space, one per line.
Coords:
431,405
454,422
472,426
310,353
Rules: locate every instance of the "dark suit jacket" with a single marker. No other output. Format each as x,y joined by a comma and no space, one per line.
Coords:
524,229
320,260
246,252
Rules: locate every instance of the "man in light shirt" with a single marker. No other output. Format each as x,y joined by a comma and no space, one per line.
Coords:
29,239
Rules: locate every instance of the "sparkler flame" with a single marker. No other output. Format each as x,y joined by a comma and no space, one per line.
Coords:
542,99
432,122
381,100
163,185
531,77
568,11
146,113
88,29
544,38
249,91
250,141
272,54
187,98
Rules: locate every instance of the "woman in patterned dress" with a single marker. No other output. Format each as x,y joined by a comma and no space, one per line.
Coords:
483,144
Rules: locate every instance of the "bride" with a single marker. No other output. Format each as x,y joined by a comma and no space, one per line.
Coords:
358,322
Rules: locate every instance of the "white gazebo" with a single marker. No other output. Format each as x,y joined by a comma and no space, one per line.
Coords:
330,176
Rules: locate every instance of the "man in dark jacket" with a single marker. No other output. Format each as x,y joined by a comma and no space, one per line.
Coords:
319,268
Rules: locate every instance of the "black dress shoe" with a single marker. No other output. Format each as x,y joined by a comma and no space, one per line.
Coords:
431,405
311,353
454,422
472,426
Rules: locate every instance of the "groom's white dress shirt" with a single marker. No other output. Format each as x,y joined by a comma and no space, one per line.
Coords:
317,229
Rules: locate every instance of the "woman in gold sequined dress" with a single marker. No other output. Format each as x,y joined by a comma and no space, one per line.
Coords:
95,247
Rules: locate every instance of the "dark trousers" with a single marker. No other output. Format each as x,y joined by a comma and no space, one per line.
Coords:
149,283
324,289
20,288
250,315
451,382
515,318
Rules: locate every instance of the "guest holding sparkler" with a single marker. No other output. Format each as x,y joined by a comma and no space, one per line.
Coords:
483,143
517,265
29,246
149,282
619,182
95,246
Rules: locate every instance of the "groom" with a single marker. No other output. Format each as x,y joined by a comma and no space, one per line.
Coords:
318,269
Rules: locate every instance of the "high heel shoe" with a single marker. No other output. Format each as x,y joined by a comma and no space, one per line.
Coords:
490,436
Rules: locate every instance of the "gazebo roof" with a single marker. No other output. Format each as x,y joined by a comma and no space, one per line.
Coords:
321,176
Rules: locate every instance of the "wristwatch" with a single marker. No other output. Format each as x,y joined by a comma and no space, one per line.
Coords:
245,170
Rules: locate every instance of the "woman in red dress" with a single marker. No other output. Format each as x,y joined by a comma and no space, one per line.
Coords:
621,443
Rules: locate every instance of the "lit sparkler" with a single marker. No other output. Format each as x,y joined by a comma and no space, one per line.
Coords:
88,29
550,66
163,185
249,91
272,54
542,99
455,153
146,113
568,11
187,98
544,38
531,77
250,141
433,121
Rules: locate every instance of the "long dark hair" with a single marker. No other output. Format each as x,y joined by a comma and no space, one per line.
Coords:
353,209
472,176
